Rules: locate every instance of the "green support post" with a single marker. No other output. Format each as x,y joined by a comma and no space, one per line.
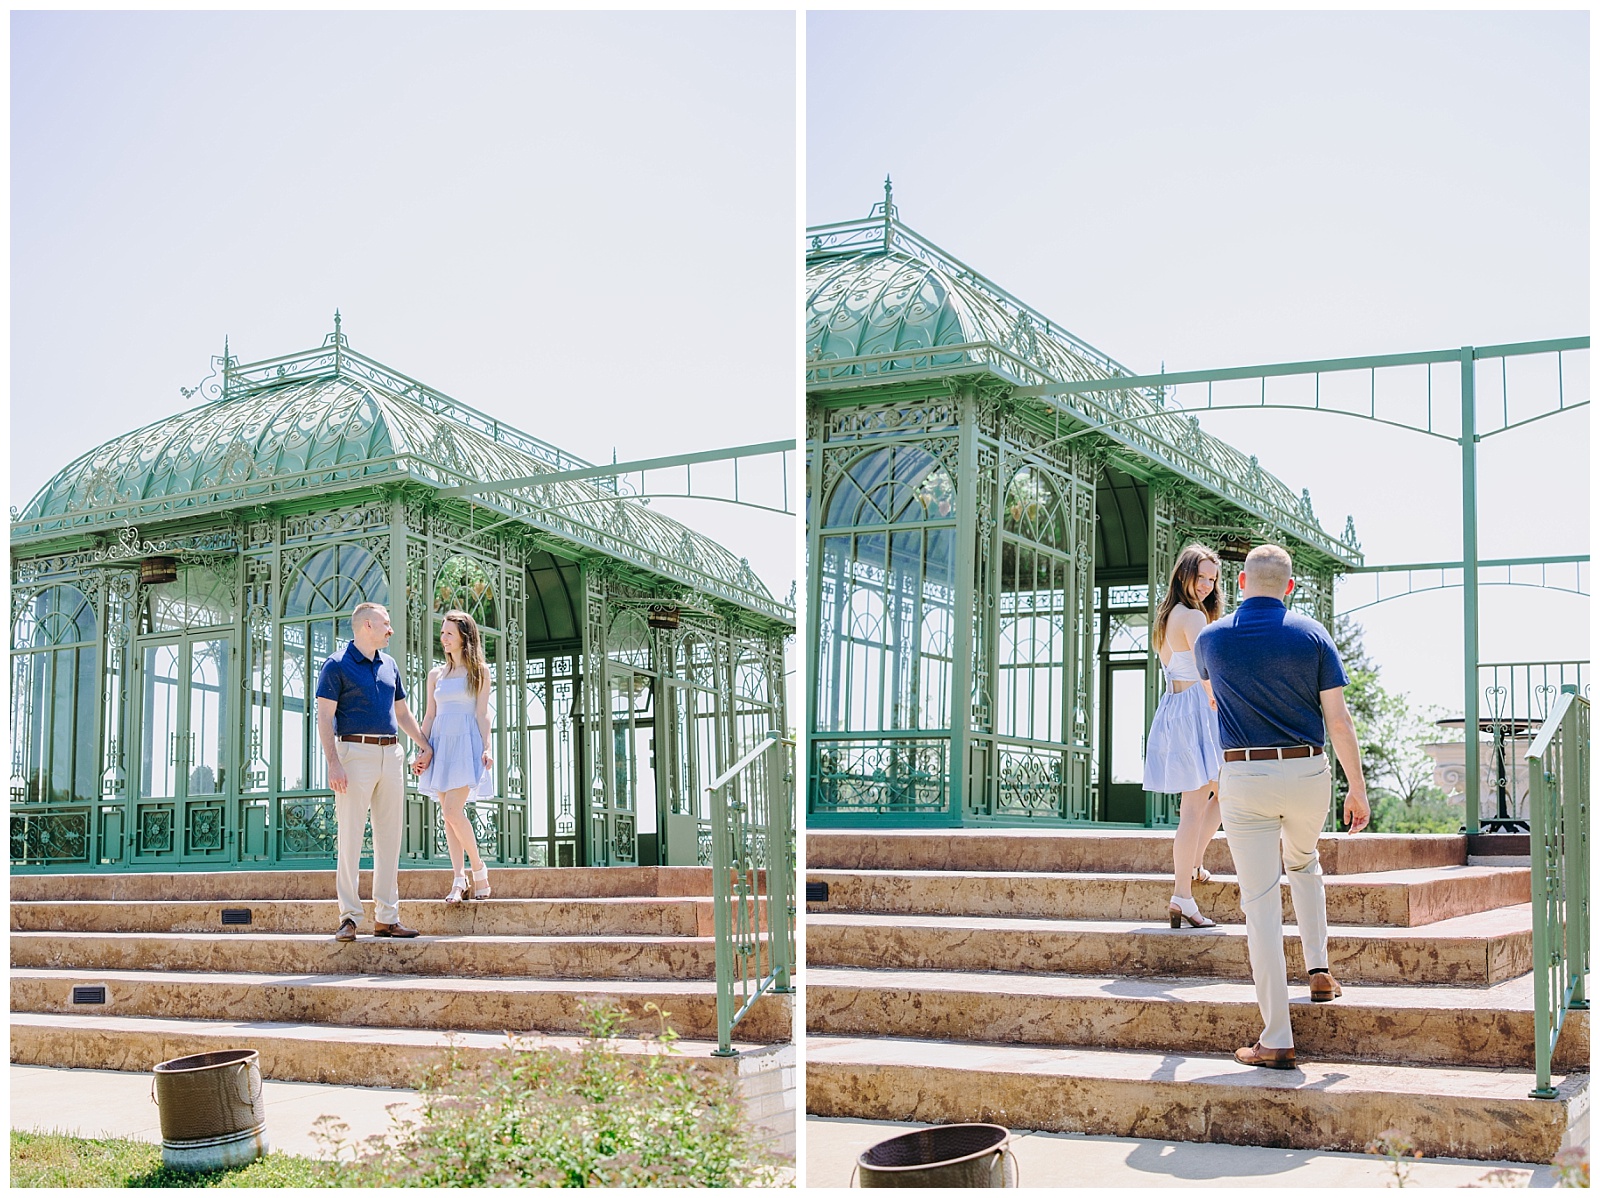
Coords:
1469,578
780,890
722,917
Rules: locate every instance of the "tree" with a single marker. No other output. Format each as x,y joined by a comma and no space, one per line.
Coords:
1390,731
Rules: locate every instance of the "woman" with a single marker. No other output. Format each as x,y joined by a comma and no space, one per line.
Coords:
457,727
1184,750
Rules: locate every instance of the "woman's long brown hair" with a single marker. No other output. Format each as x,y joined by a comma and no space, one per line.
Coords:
471,649
1180,589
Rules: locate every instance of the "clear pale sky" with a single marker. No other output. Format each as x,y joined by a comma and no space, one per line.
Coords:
580,223
1228,189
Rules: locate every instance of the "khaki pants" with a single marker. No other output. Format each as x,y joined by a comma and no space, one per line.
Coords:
375,785
1273,812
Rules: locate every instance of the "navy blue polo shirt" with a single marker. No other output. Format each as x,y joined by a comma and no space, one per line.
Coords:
1268,667
366,690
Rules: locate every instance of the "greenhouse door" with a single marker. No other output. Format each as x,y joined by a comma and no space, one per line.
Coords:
184,768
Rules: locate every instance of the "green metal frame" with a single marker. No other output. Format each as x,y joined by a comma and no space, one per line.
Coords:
321,453
1558,770
753,871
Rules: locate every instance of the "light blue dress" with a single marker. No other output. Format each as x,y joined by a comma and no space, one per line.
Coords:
455,739
1184,749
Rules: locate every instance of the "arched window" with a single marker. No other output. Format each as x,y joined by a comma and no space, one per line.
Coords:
1040,604
54,692
464,584
898,484
334,580
886,592
629,640
1033,510
200,597
319,595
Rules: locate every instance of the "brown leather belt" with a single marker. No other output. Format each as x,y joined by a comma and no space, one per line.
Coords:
389,740
1271,754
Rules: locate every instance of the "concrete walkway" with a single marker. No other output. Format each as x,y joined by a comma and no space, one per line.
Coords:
95,1103
1077,1162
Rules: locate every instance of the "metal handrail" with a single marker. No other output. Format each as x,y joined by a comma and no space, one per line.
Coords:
1558,771
752,850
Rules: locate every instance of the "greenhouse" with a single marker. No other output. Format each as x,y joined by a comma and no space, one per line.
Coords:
986,556
175,591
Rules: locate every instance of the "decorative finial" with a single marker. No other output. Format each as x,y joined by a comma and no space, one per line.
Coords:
337,322
888,213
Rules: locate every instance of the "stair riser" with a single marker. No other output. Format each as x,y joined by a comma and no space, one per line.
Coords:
456,958
330,1062
1304,1118
1324,1031
1352,904
1102,852
493,917
235,888
692,1016
1162,953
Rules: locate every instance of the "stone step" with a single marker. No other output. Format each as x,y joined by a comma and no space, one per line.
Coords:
1399,898
1411,1024
1469,950
519,1005
628,916
1476,1114
1091,850
447,956
351,1056
233,887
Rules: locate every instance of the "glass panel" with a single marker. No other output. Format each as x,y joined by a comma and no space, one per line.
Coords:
1127,726
899,484
25,730
207,737
158,769
464,584
294,696
335,579
200,597
86,773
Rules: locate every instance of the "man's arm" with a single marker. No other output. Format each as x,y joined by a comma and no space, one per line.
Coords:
408,723
1342,731
330,745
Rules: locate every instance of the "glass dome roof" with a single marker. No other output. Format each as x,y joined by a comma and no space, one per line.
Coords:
330,420
879,297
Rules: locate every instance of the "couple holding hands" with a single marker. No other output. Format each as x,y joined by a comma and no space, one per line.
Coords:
1250,700
361,709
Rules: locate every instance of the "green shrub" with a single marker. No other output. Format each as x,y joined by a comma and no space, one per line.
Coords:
544,1117
1431,812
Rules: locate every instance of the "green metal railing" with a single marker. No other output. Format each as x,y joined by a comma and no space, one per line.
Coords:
1558,770
1515,700
753,859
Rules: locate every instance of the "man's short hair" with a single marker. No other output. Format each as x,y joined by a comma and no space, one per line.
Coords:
1269,566
366,612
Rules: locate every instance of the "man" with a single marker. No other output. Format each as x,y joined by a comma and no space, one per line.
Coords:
1279,689
360,700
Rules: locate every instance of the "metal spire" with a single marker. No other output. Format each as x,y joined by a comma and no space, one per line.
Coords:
888,212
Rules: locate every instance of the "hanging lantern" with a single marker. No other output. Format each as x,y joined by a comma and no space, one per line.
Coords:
1234,549
158,569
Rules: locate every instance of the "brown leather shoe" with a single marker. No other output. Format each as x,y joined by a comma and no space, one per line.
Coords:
397,930
347,930
1267,1058
1324,988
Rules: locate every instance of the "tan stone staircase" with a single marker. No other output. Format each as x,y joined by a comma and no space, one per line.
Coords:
169,967
1031,979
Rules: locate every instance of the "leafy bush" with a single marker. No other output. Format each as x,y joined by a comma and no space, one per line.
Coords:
1431,812
544,1117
